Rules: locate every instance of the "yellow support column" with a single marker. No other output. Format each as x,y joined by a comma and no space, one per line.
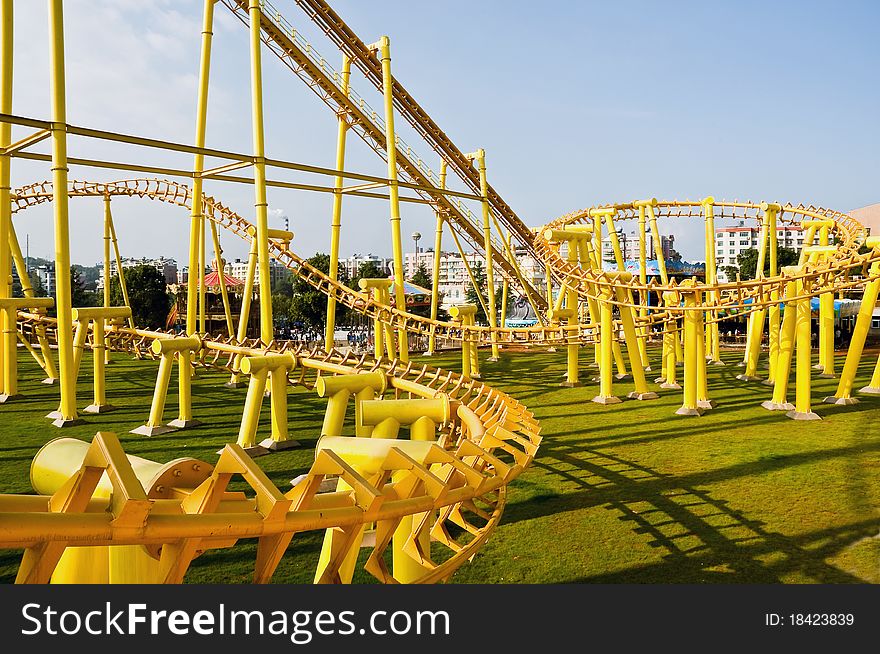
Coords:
779,401
873,387
668,378
9,308
197,217
464,313
99,317
106,271
166,348
221,276
383,49
275,368
703,401
771,212
802,409
843,395
627,319
336,220
261,204
826,314
8,326
380,290
713,340
643,297
435,270
119,271
691,337
606,338
480,157
755,328
66,414
245,314
48,362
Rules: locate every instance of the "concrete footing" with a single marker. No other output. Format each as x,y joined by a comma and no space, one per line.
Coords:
770,405
99,408
799,415
840,401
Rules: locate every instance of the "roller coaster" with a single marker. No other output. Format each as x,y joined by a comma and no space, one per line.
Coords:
425,504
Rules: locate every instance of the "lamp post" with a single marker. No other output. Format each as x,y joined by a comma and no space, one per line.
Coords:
416,236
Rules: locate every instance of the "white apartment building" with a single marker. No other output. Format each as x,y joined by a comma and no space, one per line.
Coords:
629,246
238,269
168,268
454,280
352,264
731,241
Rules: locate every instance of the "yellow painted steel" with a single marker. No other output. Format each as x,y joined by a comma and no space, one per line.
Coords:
802,408
9,308
779,401
98,318
8,322
470,361
336,219
195,280
713,340
274,368
843,394
410,511
339,389
261,204
644,297
771,212
48,361
167,349
383,48
606,336
66,414
383,335
480,157
692,338
435,270
221,275
120,273
244,315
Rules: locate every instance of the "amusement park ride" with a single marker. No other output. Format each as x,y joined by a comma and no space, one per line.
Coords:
425,457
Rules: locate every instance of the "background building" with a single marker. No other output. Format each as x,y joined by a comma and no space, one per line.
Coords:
869,216
168,268
731,241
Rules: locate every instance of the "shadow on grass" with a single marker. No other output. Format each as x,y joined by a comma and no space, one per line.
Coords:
704,538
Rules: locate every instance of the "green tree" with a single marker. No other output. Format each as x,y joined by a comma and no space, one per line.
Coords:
747,262
79,295
367,270
148,294
422,278
471,296
308,305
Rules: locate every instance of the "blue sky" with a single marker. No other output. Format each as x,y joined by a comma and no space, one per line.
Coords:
576,103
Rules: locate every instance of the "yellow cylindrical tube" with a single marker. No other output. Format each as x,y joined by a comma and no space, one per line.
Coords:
393,189
779,401
336,219
802,407
843,395
261,203
250,418
278,381
691,336
606,349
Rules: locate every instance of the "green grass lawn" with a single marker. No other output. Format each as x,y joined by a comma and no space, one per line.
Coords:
626,493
